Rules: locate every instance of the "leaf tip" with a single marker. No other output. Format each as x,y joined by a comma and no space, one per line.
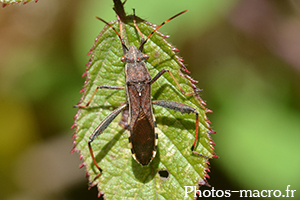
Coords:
207,169
81,90
73,126
215,156
206,175
73,150
175,49
81,166
208,110
84,74
204,182
99,194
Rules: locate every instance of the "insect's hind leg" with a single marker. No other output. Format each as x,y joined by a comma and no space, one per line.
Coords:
159,74
100,128
183,109
111,87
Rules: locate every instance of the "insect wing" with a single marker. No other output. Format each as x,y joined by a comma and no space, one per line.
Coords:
142,131
143,139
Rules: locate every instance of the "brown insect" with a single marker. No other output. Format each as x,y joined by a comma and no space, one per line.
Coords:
141,121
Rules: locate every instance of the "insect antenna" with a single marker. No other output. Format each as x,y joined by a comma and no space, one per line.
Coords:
143,42
125,49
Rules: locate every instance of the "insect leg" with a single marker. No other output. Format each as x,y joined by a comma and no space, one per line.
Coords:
99,87
166,70
100,128
183,109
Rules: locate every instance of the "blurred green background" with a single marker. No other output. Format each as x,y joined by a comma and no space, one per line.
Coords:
244,53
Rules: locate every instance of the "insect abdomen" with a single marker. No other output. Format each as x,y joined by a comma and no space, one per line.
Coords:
143,139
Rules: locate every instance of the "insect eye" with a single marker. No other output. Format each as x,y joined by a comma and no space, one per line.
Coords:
146,56
123,59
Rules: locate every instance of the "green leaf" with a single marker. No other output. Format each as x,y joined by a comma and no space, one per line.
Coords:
122,176
10,2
